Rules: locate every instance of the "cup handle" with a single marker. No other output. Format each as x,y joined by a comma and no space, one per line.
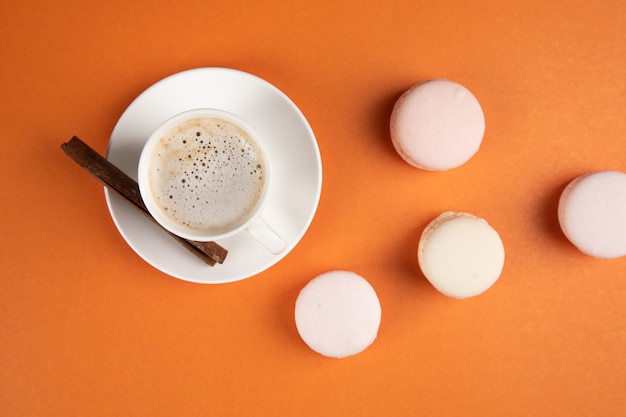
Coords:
266,236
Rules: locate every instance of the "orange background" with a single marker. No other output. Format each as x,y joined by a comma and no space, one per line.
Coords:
89,329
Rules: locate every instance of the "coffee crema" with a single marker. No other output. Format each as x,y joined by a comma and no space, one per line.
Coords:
207,174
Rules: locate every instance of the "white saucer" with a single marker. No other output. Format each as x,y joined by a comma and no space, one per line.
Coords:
296,163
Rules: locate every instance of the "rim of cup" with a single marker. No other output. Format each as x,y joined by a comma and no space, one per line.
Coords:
144,169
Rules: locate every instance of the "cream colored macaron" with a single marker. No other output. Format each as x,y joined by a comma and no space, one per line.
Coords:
338,314
437,125
592,213
460,254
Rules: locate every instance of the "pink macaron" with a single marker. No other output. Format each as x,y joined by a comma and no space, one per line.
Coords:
592,213
437,125
338,314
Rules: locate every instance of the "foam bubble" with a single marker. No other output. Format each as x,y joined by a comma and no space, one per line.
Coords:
207,174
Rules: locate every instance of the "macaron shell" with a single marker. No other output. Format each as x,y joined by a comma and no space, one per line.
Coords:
437,125
592,213
460,254
338,314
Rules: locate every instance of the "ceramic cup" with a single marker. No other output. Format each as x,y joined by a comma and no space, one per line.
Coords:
205,175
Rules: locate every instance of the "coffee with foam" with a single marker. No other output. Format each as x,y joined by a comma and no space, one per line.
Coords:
207,175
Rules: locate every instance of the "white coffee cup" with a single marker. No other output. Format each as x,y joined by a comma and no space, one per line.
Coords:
205,175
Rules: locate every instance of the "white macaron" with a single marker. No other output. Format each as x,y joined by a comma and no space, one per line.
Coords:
460,254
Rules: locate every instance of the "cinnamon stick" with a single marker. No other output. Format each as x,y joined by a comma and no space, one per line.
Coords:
127,188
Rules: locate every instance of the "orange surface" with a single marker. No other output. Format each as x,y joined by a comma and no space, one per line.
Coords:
89,329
